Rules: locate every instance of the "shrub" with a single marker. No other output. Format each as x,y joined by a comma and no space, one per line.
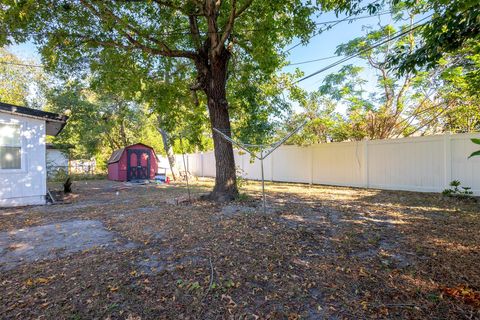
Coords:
458,191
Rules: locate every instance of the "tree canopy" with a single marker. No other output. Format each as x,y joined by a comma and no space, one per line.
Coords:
18,79
429,99
184,67
212,40
452,25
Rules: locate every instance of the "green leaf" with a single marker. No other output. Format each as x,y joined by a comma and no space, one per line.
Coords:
476,153
476,140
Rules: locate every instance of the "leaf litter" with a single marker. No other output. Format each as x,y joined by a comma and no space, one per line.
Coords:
320,252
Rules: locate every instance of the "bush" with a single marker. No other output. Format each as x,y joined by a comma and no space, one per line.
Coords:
458,191
57,174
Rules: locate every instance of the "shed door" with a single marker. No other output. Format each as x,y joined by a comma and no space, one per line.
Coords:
138,164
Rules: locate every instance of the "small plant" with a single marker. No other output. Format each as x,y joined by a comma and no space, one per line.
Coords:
241,181
243,197
55,174
457,190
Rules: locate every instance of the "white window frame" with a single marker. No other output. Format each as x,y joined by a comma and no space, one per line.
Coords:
21,125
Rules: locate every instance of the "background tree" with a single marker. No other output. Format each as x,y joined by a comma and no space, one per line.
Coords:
404,104
453,24
460,78
388,112
324,125
99,122
202,34
437,96
19,81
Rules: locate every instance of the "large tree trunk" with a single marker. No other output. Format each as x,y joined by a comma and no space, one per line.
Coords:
225,181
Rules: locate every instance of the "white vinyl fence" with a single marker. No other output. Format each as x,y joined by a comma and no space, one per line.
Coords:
425,164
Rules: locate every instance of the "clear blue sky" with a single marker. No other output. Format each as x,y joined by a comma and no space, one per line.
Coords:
325,44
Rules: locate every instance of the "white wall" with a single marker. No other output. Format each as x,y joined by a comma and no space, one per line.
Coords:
56,158
426,164
26,186
57,161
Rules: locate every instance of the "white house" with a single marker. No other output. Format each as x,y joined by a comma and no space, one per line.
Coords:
23,174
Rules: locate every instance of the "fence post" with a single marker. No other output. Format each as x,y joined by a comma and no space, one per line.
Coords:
271,166
311,164
366,178
242,157
447,159
201,162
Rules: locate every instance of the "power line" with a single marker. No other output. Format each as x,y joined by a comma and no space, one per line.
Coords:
21,64
188,33
310,61
377,44
289,64
300,62
355,18
336,22
333,24
313,35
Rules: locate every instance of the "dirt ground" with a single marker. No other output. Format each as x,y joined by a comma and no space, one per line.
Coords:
138,252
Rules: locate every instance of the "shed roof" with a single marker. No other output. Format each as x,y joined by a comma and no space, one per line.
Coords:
116,155
54,121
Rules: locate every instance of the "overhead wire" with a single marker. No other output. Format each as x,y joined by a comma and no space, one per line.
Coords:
310,61
21,64
294,63
377,44
333,24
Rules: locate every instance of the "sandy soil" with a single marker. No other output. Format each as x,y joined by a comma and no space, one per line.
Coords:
119,251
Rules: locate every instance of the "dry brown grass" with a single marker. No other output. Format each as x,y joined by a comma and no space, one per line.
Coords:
319,252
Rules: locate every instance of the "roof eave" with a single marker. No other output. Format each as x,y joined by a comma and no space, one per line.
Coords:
54,122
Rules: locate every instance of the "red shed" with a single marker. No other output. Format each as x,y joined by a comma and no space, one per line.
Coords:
135,162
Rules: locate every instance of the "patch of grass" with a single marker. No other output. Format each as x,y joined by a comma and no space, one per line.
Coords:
375,240
243,197
77,177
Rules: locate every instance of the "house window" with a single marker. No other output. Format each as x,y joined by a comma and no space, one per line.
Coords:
10,146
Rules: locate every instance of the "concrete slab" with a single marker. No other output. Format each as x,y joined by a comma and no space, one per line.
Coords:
51,241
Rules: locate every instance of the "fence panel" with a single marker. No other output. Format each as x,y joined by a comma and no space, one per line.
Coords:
416,164
338,164
463,169
291,164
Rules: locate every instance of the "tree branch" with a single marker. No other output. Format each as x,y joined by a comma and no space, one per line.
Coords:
211,14
228,27
247,4
165,51
195,32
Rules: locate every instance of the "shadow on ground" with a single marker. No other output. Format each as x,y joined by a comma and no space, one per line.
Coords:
319,252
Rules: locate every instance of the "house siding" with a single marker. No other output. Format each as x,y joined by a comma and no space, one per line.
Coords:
26,186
